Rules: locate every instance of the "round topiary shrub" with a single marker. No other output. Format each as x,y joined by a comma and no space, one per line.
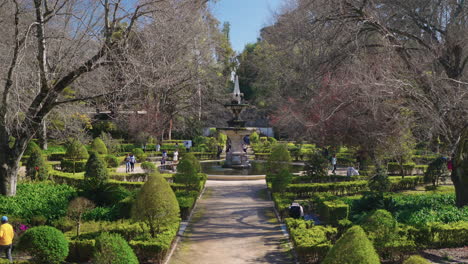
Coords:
415,259
99,146
148,167
381,228
278,160
352,248
46,244
112,248
139,154
112,161
96,170
36,168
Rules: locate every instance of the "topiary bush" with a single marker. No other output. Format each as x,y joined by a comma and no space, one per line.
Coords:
96,170
139,154
46,244
317,166
112,248
156,204
112,161
435,171
352,248
195,163
76,151
148,167
187,174
99,146
36,168
278,160
280,181
381,228
415,259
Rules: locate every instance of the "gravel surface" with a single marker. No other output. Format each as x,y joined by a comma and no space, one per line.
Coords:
232,224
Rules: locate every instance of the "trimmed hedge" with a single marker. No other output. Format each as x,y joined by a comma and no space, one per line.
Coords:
311,242
333,211
66,165
112,248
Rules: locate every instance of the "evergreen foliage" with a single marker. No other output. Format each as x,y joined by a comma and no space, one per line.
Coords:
139,154
415,259
195,163
352,248
436,169
76,151
317,165
381,228
112,248
187,174
254,138
99,146
36,168
96,170
148,167
46,244
112,161
380,182
278,161
281,180
156,204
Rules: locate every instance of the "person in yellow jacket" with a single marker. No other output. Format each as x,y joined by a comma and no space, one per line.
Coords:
6,237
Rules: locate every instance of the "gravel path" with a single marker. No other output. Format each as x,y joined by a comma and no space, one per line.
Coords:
233,224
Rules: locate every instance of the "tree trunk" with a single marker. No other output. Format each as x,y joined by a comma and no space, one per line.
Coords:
8,175
43,136
460,170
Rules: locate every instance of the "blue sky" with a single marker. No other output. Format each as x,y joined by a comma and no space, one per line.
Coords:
247,17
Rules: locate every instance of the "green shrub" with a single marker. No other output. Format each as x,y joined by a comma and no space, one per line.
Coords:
195,163
112,161
139,154
254,138
187,174
415,259
311,242
148,167
73,166
102,214
49,200
317,166
434,172
381,228
36,168
99,146
278,160
156,204
81,250
112,248
379,182
46,244
352,248
106,194
280,181
38,220
76,151
63,224
334,211
96,170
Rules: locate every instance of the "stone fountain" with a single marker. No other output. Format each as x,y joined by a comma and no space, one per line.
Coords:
235,155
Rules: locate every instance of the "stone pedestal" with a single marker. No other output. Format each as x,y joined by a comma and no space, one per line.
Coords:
236,157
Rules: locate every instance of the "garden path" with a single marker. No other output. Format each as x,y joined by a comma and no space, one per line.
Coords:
233,223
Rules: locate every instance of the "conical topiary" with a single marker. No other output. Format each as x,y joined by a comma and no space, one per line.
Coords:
156,204
187,174
36,168
96,170
352,248
99,146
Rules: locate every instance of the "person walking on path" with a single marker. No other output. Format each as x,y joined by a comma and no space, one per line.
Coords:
127,163
158,147
132,162
176,156
6,237
333,162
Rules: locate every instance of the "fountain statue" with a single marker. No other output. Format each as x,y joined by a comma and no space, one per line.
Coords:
236,157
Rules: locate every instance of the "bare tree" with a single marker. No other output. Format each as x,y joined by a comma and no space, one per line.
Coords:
49,46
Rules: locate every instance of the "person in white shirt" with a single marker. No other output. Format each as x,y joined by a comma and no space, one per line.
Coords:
176,156
333,162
